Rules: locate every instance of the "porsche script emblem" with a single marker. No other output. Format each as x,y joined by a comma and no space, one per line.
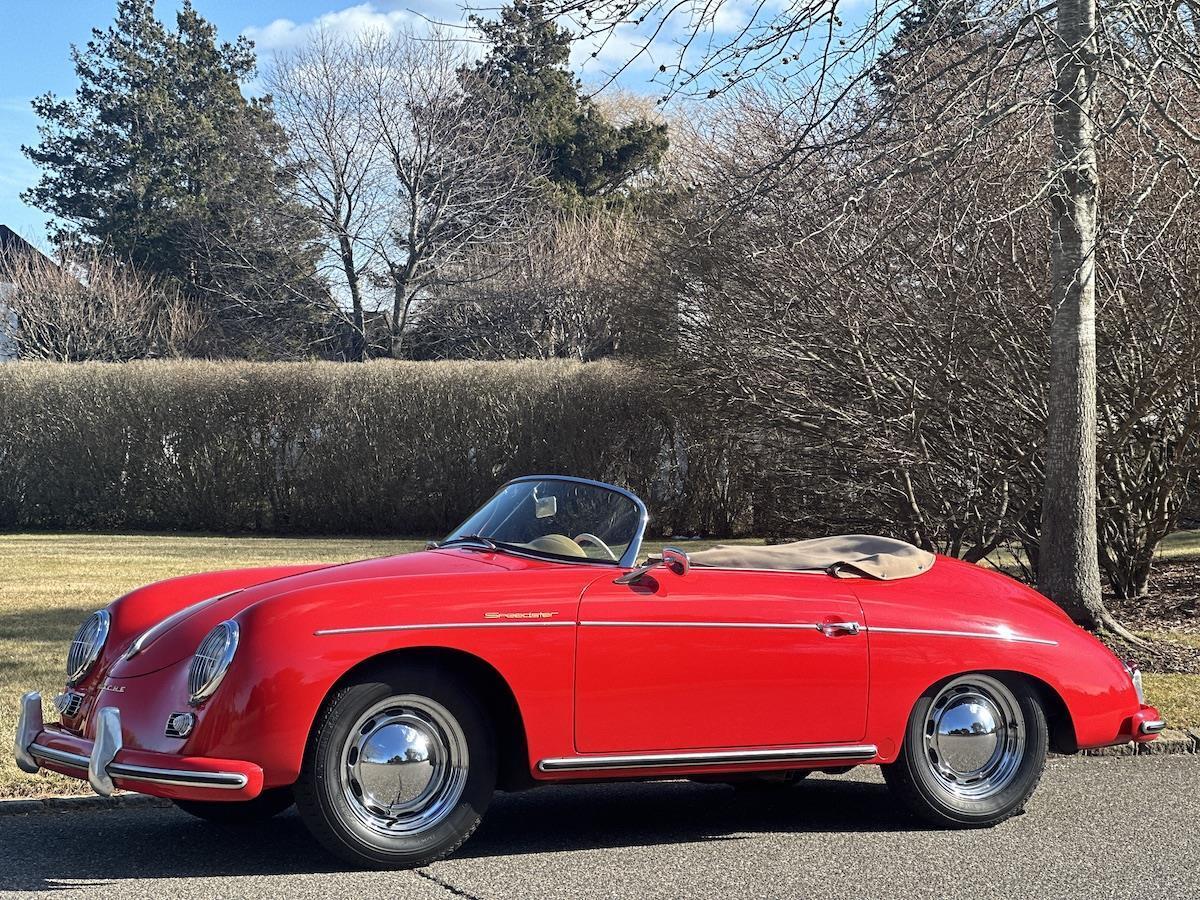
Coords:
519,615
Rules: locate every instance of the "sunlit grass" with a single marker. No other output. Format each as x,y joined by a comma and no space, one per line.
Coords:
1177,697
1181,545
1178,546
1178,637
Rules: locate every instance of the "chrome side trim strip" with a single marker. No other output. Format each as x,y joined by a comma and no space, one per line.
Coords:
611,624
368,628
225,780
933,632
938,632
717,758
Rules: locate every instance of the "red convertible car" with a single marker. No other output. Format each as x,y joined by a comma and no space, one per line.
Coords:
389,698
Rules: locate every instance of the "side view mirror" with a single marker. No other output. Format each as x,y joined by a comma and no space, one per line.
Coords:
676,560
672,558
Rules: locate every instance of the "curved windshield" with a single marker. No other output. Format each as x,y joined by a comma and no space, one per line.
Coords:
559,518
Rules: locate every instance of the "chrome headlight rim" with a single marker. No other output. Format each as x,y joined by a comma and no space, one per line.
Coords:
89,653
208,668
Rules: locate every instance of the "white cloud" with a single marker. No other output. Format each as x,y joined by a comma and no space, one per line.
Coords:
365,18
595,58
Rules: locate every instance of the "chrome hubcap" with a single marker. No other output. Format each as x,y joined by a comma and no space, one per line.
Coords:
404,766
974,737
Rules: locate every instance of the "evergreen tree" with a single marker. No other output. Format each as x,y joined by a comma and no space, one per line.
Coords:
923,26
159,159
526,70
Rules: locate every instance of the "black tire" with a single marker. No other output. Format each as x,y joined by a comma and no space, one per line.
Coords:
346,822
920,779
269,803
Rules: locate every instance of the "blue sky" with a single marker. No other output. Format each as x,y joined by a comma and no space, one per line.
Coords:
35,39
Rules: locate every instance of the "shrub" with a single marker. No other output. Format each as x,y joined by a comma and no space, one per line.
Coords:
385,447
86,307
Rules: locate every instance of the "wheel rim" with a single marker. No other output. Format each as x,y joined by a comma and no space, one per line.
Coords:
974,737
404,766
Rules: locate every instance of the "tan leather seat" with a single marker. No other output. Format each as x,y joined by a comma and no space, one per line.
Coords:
558,544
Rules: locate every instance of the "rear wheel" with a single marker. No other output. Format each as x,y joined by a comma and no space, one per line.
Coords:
269,803
973,752
400,768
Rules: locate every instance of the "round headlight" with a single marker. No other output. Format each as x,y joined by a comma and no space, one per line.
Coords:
86,646
212,660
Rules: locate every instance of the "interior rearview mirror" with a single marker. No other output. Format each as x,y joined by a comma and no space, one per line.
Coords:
545,507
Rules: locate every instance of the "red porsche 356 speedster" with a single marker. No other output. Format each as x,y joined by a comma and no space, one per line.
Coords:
389,698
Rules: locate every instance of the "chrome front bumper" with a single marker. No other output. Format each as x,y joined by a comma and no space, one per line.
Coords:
1154,726
101,766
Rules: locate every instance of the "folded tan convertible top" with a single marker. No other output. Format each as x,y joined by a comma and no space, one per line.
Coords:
845,556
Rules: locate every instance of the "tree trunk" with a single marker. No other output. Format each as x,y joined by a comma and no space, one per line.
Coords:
358,345
400,302
1069,567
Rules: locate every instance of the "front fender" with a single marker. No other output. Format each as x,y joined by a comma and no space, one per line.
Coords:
144,607
296,647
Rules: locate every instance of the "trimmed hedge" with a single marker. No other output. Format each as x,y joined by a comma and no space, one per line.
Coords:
385,447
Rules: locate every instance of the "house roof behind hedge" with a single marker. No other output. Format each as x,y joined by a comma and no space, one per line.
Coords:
11,242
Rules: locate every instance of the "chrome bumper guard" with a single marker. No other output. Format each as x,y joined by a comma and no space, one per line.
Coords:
101,767
29,725
1153,727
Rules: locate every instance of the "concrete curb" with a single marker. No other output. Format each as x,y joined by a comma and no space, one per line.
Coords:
78,804
1169,743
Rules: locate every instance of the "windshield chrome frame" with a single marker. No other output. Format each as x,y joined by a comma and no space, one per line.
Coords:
628,558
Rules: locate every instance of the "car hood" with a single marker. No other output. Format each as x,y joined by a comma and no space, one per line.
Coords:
179,634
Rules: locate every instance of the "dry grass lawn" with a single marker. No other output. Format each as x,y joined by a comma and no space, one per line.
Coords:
50,582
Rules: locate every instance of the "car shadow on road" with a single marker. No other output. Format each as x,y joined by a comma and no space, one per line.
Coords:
641,814
62,849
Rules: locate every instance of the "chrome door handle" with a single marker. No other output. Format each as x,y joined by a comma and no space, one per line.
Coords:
833,629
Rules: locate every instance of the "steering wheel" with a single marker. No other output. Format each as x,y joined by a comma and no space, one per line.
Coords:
591,538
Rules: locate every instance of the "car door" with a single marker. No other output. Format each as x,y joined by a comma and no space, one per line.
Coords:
717,658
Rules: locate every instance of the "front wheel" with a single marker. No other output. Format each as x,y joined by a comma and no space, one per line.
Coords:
400,768
973,752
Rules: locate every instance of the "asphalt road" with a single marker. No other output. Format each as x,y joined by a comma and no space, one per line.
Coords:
1096,828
